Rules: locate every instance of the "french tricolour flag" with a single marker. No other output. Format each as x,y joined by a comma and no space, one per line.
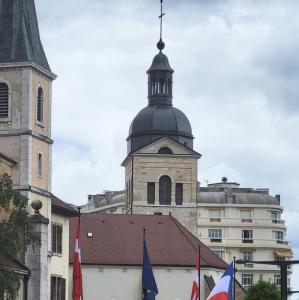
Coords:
223,288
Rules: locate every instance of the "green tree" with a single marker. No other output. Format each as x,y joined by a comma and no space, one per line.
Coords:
263,290
16,232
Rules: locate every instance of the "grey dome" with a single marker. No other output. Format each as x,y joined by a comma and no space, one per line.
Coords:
160,63
157,121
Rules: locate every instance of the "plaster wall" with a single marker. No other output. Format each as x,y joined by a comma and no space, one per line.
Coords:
173,283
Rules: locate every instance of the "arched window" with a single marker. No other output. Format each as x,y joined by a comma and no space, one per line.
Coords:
40,105
165,150
4,101
165,190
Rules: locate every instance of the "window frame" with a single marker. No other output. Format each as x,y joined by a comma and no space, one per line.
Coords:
58,285
215,238
56,247
247,240
40,122
165,194
40,164
8,118
247,277
151,193
179,193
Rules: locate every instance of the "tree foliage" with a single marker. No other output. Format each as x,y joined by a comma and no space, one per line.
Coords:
16,232
263,290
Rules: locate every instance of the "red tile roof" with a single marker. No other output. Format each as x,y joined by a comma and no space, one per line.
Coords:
117,240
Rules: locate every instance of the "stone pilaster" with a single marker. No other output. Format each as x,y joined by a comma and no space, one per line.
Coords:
37,261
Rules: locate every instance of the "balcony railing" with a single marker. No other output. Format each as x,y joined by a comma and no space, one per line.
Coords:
215,219
246,220
235,221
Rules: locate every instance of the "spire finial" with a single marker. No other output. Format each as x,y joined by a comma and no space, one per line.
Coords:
161,44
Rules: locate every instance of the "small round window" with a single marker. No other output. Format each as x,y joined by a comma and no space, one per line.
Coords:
165,150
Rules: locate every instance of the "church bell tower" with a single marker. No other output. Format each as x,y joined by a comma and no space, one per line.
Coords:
161,165
25,113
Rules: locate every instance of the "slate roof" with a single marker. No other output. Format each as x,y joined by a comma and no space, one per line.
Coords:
117,240
60,207
19,35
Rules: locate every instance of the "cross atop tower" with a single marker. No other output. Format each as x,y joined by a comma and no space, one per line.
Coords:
161,44
161,19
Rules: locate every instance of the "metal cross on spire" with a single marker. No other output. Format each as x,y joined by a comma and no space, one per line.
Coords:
161,44
161,19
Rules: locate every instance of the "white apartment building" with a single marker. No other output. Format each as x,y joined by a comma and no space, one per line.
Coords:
246,224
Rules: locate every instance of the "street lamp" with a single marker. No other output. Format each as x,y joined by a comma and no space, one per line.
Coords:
283,273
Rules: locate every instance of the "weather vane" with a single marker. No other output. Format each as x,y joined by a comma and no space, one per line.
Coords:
161,19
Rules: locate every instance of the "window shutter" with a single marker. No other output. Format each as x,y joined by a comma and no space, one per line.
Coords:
40,104
151,193
63,289
54,248
59,239
4,100
179,194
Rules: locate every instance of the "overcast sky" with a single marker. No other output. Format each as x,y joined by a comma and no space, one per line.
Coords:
236,78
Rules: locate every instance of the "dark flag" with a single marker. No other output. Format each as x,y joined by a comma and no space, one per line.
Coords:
149,286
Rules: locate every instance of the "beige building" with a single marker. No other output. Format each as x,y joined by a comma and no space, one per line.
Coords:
244,223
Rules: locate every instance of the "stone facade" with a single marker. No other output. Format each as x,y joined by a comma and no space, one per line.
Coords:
147,165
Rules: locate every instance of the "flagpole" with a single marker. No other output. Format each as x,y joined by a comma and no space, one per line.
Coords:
234,278
198,272
79,220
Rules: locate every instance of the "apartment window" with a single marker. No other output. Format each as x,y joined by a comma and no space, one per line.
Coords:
40,164
275,216
215,215
57,288
151,193
247,236
247,255
57,239
40,105
246,216
278,236
215,235
219,253
4,101
277,280
165,190
178,193
247,280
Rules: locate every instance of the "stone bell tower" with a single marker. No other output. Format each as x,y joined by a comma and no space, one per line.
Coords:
25,109
161,165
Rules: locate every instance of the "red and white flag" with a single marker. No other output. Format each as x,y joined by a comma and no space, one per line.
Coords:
195,286
77,274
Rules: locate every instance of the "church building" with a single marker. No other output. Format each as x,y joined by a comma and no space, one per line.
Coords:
26,146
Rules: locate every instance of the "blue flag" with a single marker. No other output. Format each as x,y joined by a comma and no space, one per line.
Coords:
149,286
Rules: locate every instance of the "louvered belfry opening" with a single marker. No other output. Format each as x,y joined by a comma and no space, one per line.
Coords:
165,190
4,98
40,104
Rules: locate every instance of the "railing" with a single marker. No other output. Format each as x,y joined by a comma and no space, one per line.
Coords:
241,242
215,219
246,220
235,221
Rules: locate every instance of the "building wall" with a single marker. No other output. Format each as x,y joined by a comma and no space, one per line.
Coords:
263,244
123,283
60,263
